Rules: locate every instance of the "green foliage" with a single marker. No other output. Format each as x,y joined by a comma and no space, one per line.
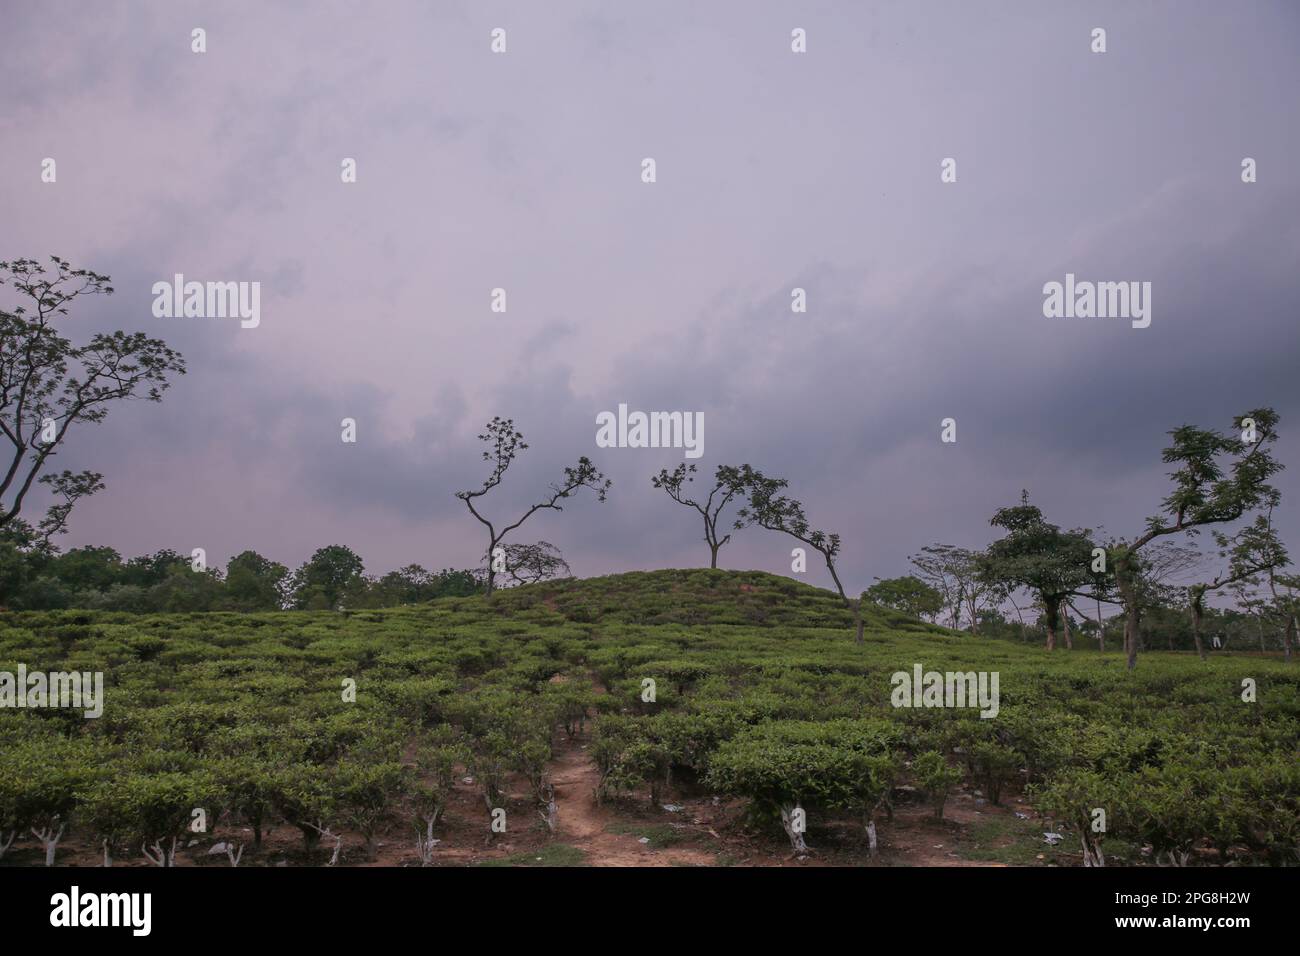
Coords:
935,777
908,594
838,765
760,696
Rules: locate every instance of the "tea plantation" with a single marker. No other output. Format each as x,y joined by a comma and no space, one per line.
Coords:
435,731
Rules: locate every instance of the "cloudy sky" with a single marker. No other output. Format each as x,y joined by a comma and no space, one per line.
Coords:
775,170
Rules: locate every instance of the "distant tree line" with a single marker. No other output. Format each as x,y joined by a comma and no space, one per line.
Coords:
1218,479
34,575
1038,582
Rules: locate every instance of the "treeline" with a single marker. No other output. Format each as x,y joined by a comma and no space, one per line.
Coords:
35,575
1040,582
1166,626
1219,480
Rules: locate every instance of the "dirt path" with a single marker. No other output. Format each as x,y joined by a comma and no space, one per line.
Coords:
583,824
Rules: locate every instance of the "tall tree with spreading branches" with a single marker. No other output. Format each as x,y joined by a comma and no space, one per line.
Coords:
1219,479
48,384
504,445
728,482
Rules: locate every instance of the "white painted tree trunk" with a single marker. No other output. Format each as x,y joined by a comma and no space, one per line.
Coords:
160,856
1092,855
48,837
796,836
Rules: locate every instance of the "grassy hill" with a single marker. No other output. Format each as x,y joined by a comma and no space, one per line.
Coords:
764,712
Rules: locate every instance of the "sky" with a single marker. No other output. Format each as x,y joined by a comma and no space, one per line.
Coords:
774,170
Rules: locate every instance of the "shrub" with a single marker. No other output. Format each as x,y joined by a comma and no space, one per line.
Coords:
935,777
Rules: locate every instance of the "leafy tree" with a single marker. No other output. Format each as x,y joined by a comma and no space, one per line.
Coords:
88,569
322,581
728,482
1218,479
184,589
505,444
255,583
409,585
48,384
148,570
1038,555
908,594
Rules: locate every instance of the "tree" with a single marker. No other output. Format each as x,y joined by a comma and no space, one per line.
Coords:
504,445
1038,555
529,563
908,594
148,570
88,569
1253,550
728,482
769,509
1218,479
47,383
1286,605
184,589
255,583
955,573
323,581
24,556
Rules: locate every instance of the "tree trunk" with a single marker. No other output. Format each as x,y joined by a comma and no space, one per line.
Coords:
795,835
858,623
1092,855
1197,612
1051,613
1065,631
713,560
1288,638
1132,614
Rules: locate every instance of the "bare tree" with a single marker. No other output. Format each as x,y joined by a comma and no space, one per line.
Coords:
728,482
47,383
504,445
957,574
